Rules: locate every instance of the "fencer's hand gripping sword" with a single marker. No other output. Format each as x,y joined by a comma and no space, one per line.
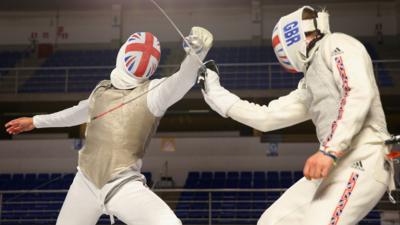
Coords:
202,73
191,51
177,30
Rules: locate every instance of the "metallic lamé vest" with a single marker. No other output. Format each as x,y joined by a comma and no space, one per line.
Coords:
117,140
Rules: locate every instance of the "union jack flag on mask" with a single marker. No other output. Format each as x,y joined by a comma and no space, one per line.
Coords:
142,55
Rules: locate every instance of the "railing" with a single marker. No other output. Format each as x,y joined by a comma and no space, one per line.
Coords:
234,75
174,197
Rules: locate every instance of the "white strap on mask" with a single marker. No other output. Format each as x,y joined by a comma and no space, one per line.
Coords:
308,25
322,23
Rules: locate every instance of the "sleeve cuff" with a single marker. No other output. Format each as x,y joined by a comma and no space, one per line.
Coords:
330,150
36,121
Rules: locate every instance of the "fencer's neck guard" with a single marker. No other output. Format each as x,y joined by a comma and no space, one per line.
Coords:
312,48
289,40
121,80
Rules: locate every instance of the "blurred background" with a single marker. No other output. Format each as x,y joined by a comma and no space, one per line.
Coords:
210,170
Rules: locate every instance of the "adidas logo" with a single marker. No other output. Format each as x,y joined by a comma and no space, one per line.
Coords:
337,51
358,165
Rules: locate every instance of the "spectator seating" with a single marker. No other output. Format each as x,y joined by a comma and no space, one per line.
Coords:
254,54
237,207
41,181
8,59
256,76
235,74
36,208
83,73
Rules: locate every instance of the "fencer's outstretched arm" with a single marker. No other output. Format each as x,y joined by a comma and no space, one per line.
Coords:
173,88
65,118
282,112
279,113
353,74
73,116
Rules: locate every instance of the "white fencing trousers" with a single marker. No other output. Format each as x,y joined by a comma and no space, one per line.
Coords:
133,204
343,198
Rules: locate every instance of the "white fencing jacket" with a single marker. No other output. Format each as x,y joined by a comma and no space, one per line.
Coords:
338,93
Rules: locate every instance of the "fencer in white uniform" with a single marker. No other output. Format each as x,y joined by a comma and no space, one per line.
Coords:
349,173
109,180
